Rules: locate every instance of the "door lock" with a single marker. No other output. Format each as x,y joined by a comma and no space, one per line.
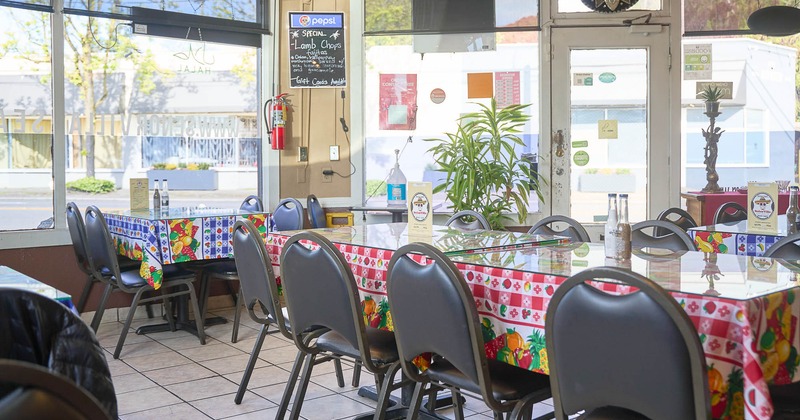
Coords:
558,141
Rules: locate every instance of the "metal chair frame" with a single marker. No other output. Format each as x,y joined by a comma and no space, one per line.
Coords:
315,212
479,222
684,220
723,216
786,248
676,240
288,218
574,229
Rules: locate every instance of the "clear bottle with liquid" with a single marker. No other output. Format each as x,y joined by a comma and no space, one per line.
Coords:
792,212
623,232
396,184
610,230
164,197
156,198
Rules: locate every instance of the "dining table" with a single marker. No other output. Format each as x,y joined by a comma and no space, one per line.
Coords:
736,238
10,278
182,234
745,308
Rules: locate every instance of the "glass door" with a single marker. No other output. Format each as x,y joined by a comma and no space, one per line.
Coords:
610,130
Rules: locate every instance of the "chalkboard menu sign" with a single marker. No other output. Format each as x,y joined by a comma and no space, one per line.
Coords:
316,50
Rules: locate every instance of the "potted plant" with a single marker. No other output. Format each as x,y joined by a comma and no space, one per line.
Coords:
711,95
483,171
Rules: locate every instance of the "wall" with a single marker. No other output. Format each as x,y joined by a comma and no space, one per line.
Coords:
313,119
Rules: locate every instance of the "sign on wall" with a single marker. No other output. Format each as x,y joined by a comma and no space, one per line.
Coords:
697,62
316,50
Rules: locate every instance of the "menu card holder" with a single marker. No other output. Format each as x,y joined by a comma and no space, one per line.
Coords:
140,194
762,207
420,211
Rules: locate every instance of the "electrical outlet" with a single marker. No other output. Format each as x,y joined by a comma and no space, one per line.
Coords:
327,178
334,152
301,175
302,154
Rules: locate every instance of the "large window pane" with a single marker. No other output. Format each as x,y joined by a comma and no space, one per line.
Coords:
580,6
241,10
398,15
434,95
26,110
147,104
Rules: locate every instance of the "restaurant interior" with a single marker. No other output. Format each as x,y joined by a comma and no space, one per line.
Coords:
473,208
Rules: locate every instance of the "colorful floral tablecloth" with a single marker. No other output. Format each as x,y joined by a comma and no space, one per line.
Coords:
176,240
733,243
748,344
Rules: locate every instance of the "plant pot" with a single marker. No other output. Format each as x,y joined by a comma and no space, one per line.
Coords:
185,179
712,107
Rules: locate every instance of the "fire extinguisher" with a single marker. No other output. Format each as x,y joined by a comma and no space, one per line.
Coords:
276,120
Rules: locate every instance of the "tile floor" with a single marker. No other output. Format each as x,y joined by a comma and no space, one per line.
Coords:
171,375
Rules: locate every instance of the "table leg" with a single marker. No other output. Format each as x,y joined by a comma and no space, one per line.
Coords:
182,321
397,217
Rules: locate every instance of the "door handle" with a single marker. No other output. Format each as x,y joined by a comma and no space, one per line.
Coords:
558,141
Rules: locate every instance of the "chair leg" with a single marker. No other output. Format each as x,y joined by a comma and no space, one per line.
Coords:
458,408
237,316
385,391
301,389
205,279
198,316
101,307
167,310
290,383
131,313
251,363
416,401
356,374
87,288
337,366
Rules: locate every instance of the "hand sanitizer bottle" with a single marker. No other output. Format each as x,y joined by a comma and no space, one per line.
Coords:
396,184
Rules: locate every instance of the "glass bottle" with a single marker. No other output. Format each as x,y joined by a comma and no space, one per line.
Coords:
396,184
164,197
792,213
623,231
611,227
156,199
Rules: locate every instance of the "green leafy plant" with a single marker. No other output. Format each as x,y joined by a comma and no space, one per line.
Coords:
92,185
373,186
160,165
484,172
710,94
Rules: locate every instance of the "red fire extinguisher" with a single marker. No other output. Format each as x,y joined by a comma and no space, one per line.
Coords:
276,121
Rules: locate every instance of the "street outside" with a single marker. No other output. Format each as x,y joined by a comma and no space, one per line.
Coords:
26,208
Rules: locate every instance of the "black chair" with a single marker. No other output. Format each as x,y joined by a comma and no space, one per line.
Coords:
288,215
322,295
730,212
617,366
676,240
786,248
77,233
102,258
37,330
315,212
42,394
260,292
252,204
444,321
468,220
678,216
574,230
225,270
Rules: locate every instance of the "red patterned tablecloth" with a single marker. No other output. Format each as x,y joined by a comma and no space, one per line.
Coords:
748,344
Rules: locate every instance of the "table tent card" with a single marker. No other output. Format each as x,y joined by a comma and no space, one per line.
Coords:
140,194
420,210
762,207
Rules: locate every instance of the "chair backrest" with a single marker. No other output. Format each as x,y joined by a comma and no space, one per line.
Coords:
288,215
730,212
40,393
676,240
678,216
600,355
77,232
256,277
100,247
574,230
478,222
443,320
38,330
320,291
786,248
315,212
252,204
